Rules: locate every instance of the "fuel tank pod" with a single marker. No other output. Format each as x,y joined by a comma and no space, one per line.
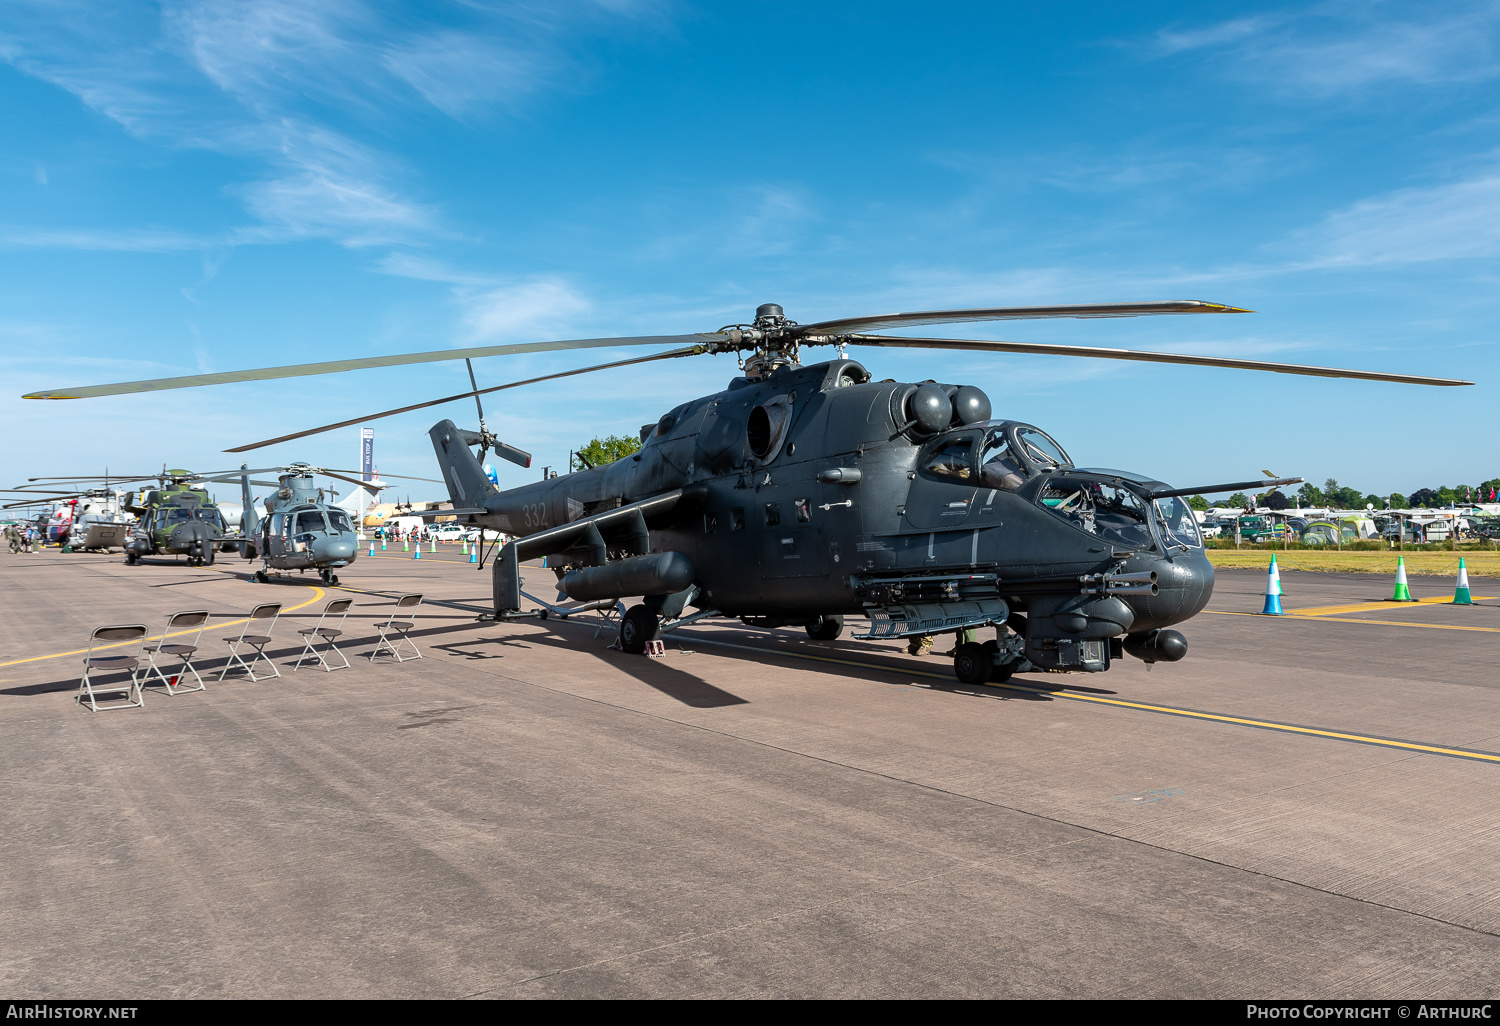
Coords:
659,573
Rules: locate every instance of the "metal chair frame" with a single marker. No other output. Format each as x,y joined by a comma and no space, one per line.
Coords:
255,641
115,634
339,608
400,627
188,618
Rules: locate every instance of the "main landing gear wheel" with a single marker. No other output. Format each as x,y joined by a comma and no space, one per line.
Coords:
825,628
972,663
638,626
130,558
329,578
1001,671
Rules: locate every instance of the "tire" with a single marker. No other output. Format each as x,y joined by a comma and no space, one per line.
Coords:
1001,673
130,558
261,578
207,560
638,626
972,663
825,628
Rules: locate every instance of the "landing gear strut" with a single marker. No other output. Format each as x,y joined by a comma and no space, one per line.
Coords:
329,577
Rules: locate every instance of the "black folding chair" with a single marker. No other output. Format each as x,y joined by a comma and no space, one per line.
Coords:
184,623
399,628
107,637
258,641
340,609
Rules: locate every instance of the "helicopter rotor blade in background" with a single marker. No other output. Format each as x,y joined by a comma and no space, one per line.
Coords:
846,325
670,354
399,477
334,366
1047,349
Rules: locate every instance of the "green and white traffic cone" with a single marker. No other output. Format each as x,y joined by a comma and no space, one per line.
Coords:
1403,593
1461,596
1273,591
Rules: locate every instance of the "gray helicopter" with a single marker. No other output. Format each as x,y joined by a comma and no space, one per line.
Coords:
801,495
301,530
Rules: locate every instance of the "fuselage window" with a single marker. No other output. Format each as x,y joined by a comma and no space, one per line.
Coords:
710,523
310,522
998,466
953,460
340,521
773,514
737,519
804,510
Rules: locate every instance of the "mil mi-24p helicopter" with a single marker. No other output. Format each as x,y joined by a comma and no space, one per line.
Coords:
801,495
301,531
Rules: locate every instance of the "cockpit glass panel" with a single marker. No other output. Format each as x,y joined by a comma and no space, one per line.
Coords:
998,466
954,460
309,522
1178,524
1115,514
178,515
339,520
208,515
1039,450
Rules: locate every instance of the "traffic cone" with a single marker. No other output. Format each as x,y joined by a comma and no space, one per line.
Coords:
417,554
382,545
1273,591
1403,593
372,548
1461,596
434,545
405,544
473,556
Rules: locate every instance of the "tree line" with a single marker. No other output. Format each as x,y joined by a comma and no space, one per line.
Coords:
1336,496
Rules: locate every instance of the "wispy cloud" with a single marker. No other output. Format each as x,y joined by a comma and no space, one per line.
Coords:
1348,45
145,240
498,309
256,79
1456,220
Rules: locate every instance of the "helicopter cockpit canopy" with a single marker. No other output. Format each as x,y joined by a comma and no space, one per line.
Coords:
996,454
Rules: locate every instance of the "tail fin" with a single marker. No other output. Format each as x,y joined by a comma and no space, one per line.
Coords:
466,480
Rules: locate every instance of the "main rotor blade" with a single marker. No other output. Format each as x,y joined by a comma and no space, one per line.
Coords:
1014,313
1237,486
670,354
334,366
111,477
1045,349
399,477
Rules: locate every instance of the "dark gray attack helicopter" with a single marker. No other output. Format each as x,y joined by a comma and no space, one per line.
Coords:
801,495
301,531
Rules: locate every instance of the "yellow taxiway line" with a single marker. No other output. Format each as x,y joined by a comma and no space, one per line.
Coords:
1197,714
1363,607
317,594
1380,623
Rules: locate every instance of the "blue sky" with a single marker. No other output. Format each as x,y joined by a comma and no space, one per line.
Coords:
207,186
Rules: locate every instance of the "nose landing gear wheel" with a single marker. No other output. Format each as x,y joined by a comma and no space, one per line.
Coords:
261,578
972,663
638,626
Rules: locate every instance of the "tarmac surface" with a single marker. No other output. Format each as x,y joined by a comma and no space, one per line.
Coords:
1305,807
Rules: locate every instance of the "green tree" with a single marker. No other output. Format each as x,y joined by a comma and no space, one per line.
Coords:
1309,495
1398,501
1373,500
599,451
1197,502
1331,492
1238,500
